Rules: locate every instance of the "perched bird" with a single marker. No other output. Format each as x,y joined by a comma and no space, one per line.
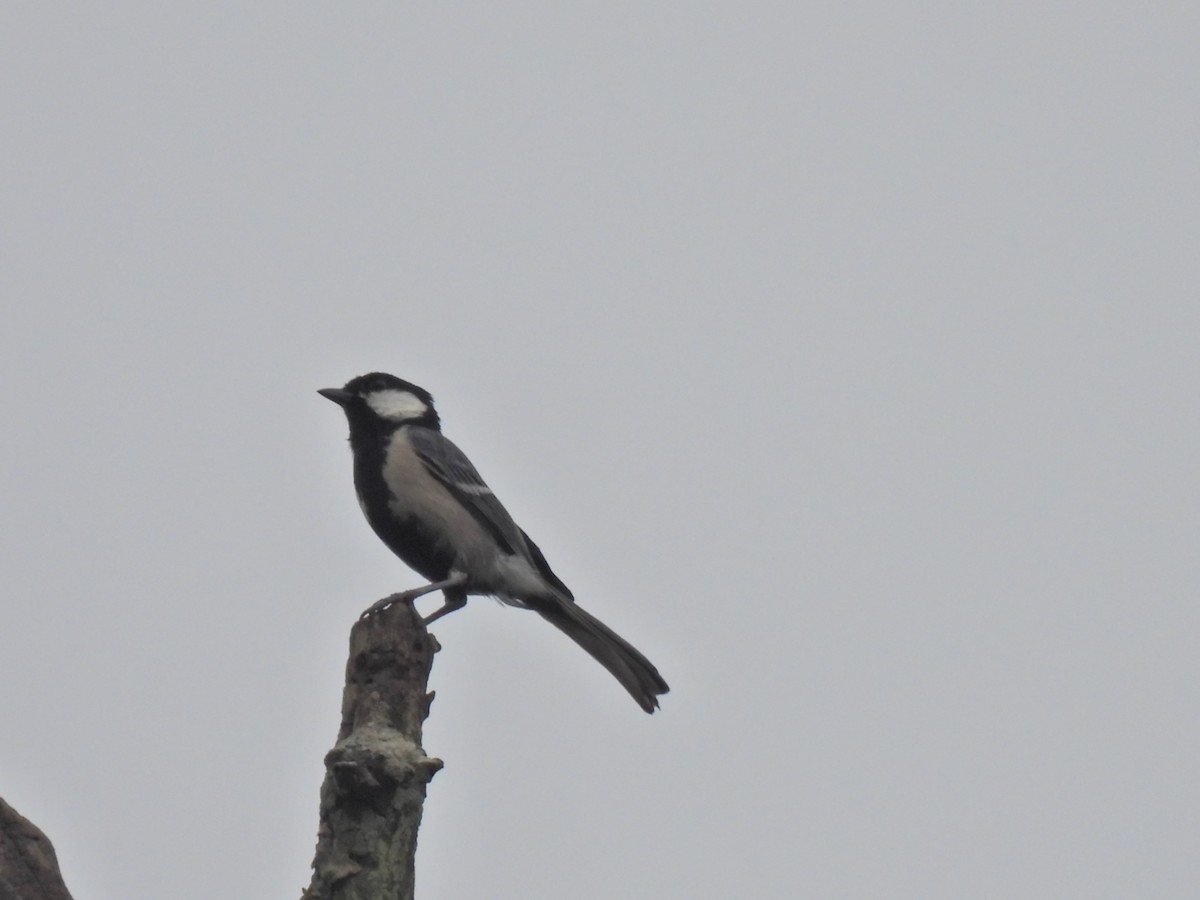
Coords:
427,503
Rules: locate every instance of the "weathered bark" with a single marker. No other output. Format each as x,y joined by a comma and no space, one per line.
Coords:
28,866
376,773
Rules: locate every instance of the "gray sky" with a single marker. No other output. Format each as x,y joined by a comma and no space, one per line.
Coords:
842,357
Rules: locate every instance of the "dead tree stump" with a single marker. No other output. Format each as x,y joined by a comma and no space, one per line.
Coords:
376,773
28,865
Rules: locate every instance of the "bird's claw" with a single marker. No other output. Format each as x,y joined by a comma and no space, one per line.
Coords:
380,605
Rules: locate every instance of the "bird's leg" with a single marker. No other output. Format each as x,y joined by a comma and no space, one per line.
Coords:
456,580
453,599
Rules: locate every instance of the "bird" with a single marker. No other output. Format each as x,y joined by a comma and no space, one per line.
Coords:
428,504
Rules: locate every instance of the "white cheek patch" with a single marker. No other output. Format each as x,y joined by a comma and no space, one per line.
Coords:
396,405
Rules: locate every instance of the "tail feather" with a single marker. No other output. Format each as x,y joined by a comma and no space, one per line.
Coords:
636,673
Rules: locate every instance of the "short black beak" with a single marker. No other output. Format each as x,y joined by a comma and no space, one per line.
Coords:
337,395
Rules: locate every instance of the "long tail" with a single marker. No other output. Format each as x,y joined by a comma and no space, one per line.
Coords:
636,673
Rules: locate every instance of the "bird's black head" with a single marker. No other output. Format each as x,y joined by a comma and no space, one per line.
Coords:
382,401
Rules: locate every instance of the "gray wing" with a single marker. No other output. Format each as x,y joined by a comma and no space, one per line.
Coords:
450,466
